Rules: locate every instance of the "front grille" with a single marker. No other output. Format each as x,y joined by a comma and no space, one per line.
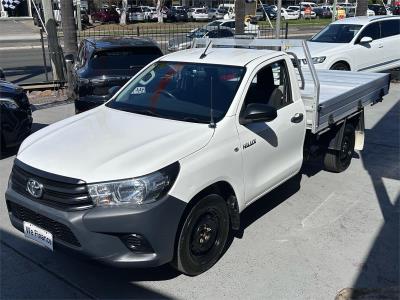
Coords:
58,194
59,231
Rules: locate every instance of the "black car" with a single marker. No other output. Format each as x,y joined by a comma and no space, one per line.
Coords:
177,15
16,115
2,76
105,63
272,14
378,9
85,22
323,12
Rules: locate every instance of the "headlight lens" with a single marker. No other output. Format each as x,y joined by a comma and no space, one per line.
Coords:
8,103
316,60
140,190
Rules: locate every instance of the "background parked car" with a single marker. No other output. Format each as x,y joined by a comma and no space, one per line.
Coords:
289,14
322,12
357,44
15,115
198,14
106,15
136,14
85,19
216,14
231,23
378,9
185,42
270,12
103,63
177,15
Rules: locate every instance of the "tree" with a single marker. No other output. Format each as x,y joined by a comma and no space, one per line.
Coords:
362,6
123,12
69,27
239,16
159,7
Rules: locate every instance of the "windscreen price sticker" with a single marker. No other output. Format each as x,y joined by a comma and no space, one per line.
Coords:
38,235
139,90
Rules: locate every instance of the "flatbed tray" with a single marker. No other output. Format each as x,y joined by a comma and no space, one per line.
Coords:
342,93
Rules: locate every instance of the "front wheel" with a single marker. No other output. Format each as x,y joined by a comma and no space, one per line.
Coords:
203,236
340,66
338,161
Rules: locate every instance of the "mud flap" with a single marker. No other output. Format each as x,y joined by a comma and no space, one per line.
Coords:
360,133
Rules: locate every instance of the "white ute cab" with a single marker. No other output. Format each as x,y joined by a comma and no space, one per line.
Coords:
161,172
357,44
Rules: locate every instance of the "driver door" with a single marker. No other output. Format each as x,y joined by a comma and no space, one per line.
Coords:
368,55
271,151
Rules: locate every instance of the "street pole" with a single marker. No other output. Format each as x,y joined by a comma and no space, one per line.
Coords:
52,39
278,20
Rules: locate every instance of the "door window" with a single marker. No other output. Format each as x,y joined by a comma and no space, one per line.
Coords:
271,85
372,31
390,28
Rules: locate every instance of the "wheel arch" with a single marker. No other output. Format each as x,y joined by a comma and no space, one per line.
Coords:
343,61
226,191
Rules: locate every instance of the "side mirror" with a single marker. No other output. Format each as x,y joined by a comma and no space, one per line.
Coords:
366,40
256,112
69,58
113,90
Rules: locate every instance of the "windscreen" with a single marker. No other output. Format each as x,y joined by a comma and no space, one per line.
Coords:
181,91
124,58
337,33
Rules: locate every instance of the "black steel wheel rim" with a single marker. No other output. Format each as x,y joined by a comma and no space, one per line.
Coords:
346,151
204,234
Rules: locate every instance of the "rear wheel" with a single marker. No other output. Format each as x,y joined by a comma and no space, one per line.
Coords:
203,236
339,160
341,66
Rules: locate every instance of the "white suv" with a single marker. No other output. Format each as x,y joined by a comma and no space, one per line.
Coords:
357,44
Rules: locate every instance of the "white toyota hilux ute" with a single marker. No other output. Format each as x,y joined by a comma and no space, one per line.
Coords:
161,172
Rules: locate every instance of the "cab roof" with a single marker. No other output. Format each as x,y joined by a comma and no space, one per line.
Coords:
220,56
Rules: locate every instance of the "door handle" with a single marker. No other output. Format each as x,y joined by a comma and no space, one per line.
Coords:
297,118
380,46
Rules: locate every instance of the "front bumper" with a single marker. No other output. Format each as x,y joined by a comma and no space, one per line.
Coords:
99,230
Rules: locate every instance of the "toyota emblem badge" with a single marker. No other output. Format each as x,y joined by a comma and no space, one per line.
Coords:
34,188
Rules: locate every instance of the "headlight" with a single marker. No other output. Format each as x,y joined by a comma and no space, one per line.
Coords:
9,103
316,60
140,190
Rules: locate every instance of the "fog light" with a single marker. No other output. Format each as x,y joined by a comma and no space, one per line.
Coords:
137,243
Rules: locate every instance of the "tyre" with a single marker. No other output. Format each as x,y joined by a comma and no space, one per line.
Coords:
338,161
203,236
341,66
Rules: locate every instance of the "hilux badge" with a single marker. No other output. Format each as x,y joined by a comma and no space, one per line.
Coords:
250,143
34,188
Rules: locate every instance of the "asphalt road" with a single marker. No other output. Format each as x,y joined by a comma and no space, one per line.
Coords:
313,236
25,65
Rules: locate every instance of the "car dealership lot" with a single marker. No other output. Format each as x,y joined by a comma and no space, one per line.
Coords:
316,234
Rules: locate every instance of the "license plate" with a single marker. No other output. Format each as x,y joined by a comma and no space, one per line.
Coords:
39,235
